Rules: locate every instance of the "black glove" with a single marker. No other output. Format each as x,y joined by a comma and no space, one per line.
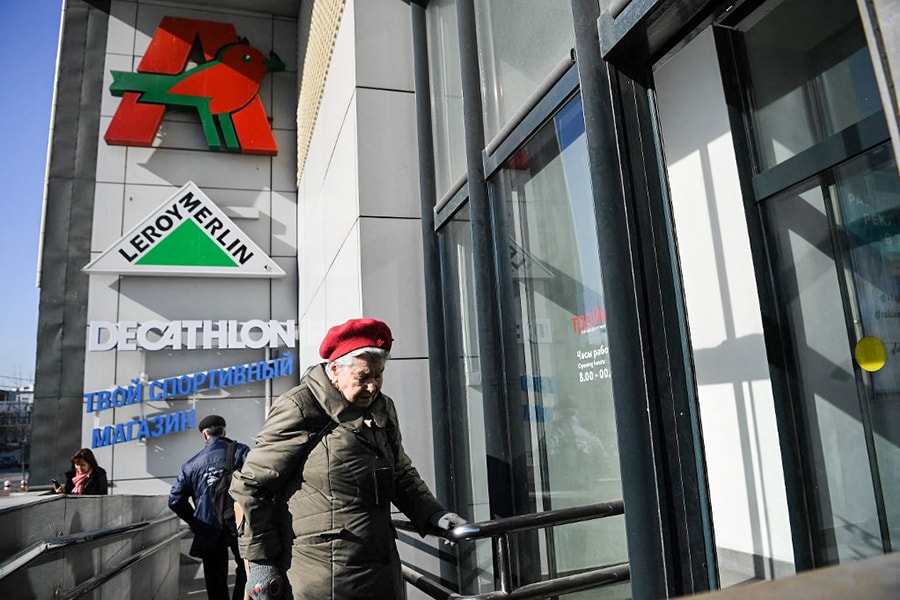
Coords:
265,581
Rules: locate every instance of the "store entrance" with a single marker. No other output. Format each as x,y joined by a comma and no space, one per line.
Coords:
826,186
835,248
786,204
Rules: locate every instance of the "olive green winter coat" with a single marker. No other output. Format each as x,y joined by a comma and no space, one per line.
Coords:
341,540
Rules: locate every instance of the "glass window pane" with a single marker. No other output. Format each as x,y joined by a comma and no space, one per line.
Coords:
810,74
446,95
566,401
518,46
469,423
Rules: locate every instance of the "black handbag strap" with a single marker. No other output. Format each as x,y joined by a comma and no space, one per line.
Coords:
229,456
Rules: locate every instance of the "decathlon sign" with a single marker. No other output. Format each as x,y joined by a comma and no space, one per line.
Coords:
187,235
190,335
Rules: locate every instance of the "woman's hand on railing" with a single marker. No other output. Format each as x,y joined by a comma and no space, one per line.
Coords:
447,522
450,520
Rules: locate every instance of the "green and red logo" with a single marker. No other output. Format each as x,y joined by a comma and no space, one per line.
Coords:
224,90
187,235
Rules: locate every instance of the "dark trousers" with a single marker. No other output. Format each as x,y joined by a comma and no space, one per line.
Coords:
215,573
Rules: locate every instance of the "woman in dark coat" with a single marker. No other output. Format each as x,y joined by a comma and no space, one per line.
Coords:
331,449
86,477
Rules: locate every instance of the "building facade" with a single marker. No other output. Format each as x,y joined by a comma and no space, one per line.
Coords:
629,250
15,425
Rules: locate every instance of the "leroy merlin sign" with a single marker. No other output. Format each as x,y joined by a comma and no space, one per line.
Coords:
187,235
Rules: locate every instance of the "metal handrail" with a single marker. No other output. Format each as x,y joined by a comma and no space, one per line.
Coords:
98,580
532,591
28,554
498,530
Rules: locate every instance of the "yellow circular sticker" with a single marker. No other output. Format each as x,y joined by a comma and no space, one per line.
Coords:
870,353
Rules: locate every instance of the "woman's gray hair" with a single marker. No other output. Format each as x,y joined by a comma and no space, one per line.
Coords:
369,353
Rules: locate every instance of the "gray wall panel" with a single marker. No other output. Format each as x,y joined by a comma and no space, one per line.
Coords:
66,242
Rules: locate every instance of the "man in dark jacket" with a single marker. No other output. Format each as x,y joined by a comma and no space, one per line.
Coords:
196,482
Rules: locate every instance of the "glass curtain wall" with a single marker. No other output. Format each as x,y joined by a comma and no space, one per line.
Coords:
446,95
478,434
562,404
833,234
552,443
518,45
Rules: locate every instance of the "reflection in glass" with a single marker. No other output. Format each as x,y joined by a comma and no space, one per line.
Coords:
517,48
811,74
446,94
474,439
837,252
867,190
564,418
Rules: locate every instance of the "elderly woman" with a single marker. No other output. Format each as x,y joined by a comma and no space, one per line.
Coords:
331,449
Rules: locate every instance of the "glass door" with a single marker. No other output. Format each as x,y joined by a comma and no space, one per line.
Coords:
826,185
835,252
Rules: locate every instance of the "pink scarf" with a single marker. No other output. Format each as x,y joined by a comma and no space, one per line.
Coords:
79,480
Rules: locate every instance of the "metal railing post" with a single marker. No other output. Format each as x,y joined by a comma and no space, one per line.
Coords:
501,551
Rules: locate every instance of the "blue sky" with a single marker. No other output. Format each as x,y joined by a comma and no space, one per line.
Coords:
31,33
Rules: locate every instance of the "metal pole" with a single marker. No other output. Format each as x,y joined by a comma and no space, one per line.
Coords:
644,524
482,248
501,552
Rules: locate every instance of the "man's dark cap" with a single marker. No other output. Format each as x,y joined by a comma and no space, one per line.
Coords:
211,421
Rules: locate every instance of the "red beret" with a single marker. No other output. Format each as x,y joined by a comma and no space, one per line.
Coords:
353,335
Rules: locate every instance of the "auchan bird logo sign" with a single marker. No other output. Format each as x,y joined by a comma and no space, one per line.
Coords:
187,235
223,90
